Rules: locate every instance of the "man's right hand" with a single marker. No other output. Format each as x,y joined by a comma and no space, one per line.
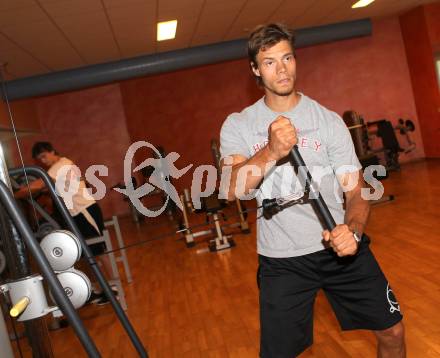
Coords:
282,138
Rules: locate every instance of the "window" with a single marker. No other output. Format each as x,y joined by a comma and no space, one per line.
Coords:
437,67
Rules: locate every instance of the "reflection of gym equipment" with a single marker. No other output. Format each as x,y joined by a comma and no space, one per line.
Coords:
404,127
363,135
157,194
133,211
157,198
244,226
212,206
123,257
46,223
55,287
116,277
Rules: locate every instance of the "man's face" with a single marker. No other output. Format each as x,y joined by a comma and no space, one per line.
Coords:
277,68
47,158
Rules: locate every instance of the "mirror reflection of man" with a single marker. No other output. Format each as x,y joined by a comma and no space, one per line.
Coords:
84,209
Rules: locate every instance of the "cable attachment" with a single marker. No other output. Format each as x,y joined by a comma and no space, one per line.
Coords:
275,205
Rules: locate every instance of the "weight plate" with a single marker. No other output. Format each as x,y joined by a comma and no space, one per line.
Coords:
76,285
62,249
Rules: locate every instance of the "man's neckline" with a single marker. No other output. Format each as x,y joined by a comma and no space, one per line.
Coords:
297,105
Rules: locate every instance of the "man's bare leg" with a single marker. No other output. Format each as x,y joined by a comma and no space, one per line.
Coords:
391,342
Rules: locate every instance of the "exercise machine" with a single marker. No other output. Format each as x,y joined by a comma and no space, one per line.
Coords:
45,223
55,286
366,134
213,208
363,135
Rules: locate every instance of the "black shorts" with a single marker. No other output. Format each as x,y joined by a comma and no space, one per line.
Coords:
355,287
88,231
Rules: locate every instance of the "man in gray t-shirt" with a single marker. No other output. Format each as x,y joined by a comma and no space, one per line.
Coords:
296,230
297,257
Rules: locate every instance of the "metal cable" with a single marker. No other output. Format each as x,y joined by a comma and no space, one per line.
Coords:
11,118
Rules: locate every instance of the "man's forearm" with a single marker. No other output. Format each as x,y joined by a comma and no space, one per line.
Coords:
357,213
247,175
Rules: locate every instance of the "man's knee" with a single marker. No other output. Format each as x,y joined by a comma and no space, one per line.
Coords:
394,335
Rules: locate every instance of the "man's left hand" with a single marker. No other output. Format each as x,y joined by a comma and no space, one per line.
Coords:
341,239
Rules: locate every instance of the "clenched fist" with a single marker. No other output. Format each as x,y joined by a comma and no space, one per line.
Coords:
342,240
282,137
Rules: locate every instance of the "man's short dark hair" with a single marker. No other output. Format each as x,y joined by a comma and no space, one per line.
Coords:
41,147
265,36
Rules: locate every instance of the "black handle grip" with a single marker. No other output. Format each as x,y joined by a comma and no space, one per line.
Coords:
317,201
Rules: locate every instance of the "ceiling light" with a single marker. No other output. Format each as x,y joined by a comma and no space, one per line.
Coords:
166,30
361,3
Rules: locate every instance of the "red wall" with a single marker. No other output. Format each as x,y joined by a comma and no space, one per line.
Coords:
432,17
421,33
88,127
184,110
369,75
24,116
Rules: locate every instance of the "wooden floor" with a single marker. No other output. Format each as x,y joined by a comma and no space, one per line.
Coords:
192,303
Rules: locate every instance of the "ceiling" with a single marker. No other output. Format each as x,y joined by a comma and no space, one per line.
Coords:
40,36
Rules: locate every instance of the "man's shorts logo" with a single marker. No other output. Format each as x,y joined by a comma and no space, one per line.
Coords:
394,305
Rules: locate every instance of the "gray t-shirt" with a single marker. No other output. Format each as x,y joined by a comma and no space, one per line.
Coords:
325,144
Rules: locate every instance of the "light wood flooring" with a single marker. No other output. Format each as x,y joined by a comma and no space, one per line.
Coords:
192,303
